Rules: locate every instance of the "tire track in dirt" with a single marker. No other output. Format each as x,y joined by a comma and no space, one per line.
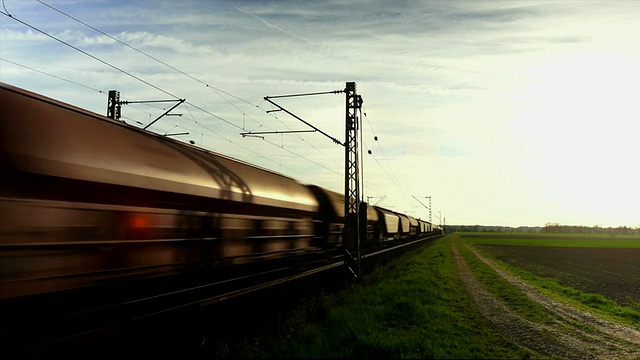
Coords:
575,334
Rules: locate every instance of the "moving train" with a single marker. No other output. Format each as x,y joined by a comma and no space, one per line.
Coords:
88,200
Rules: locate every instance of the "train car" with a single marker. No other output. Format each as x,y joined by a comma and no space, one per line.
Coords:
428,229
426,226
329,219
421,227
372,228
405,226
85,200
389,224
414,227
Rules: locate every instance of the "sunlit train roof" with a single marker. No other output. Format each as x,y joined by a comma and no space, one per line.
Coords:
53,138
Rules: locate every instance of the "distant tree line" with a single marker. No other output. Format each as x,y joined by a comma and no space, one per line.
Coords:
550,228
484,228
596,229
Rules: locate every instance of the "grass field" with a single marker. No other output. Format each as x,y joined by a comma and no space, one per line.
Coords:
565,240
419,306
416,307
599,272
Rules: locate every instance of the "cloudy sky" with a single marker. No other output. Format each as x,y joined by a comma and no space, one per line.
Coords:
503,112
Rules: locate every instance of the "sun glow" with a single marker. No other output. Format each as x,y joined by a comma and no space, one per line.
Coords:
578,120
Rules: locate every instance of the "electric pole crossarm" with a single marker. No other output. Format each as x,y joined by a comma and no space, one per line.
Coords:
114,105
428,208
127,102
175,134
165,113
420,202
307,94
275,132
381,200
297,117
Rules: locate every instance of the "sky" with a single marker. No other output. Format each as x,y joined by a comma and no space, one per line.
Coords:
513,113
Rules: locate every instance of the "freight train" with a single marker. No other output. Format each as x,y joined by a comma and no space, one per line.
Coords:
88,200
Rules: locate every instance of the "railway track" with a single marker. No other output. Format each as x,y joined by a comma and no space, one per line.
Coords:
58,322
75,322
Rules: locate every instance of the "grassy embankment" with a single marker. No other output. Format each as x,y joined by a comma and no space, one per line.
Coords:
415,307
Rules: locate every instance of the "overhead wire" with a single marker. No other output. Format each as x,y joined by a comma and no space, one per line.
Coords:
89,55
381,150
218,91
132,120
213,88
300,137
390,173
158,88
69,81
142,52
372,154
5,9
382,167
54,76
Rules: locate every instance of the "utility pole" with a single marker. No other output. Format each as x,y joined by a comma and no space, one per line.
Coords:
429,197
376,197
354,217
114,106
428,208
351,232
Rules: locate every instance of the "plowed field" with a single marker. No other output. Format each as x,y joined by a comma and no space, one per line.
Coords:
611,272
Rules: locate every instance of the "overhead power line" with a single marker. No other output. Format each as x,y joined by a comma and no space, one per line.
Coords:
218,91
54,76
89,55
213,88
384,156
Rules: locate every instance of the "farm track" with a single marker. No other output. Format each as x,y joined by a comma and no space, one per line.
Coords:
573,333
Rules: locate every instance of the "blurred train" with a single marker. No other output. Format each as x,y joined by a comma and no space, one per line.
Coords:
87,200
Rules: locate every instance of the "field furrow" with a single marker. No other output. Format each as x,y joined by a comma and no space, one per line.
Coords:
573,333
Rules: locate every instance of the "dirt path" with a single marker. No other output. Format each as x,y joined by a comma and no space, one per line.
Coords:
573,334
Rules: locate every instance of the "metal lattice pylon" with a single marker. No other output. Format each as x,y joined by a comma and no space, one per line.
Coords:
351,234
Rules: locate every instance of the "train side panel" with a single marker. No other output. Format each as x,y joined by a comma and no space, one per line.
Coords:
86,200
329,219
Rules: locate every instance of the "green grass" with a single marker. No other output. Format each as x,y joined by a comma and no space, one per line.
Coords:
416,307
539,239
